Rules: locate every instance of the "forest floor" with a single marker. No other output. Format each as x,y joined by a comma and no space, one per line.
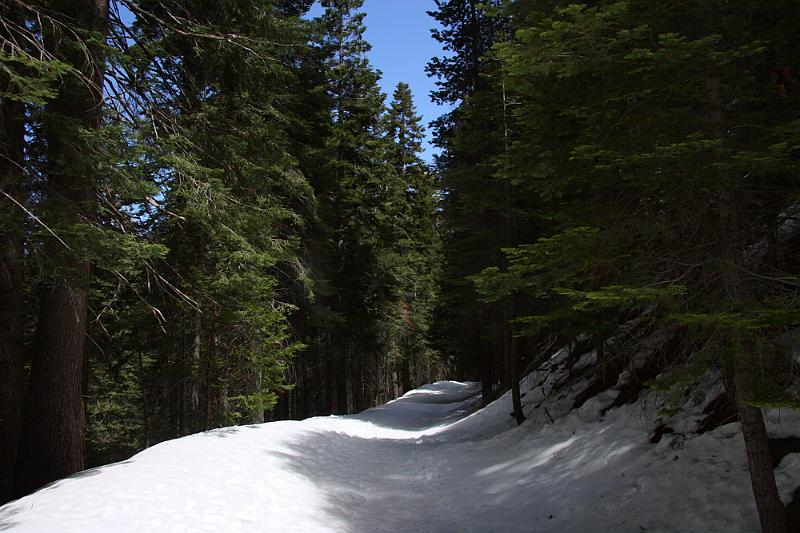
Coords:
429,461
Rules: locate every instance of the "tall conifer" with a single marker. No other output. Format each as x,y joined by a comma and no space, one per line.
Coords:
418,244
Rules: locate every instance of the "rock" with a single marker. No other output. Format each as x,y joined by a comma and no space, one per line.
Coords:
592,409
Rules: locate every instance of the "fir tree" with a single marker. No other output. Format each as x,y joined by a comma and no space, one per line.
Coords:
362,210
229,212
51,444
12,222
418,245
658,154
479,218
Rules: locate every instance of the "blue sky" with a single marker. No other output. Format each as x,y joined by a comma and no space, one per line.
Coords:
399,31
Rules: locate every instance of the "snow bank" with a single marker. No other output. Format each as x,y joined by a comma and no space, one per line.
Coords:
429,461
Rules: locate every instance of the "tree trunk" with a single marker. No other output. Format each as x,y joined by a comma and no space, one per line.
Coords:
143,392
341,385
196,366
52,438
210,373
512,343
305,408
258,414
357,381
512,368
405,376
487,377
175,393
771,510
330,389
12,298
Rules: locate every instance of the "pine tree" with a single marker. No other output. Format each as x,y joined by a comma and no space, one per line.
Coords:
658,154
51,444
12,222
418,245
365,197
230,209
479,218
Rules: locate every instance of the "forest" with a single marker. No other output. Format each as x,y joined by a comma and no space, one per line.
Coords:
211,215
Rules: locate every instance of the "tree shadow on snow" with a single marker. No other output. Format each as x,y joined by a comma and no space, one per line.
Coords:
437,485
521,479
371,484
15,507
6,518
221,433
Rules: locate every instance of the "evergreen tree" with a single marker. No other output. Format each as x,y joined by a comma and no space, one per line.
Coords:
181,217
418,245
365,314
229,211
12,222
362,209
51,444
658,154
480,217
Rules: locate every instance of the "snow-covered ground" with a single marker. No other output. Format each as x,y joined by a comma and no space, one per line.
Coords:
429,461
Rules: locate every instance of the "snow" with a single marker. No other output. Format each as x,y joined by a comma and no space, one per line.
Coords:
430,461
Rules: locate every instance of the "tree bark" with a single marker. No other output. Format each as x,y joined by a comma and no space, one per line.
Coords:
12,298
405,379
306,387
53,434
258,414
208,378
143,393
330,389
771,511
196,366
487,376
341,384
512,368
512,343
52,438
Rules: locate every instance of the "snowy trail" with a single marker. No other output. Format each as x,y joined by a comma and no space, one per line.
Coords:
429,461
384,473
368,472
